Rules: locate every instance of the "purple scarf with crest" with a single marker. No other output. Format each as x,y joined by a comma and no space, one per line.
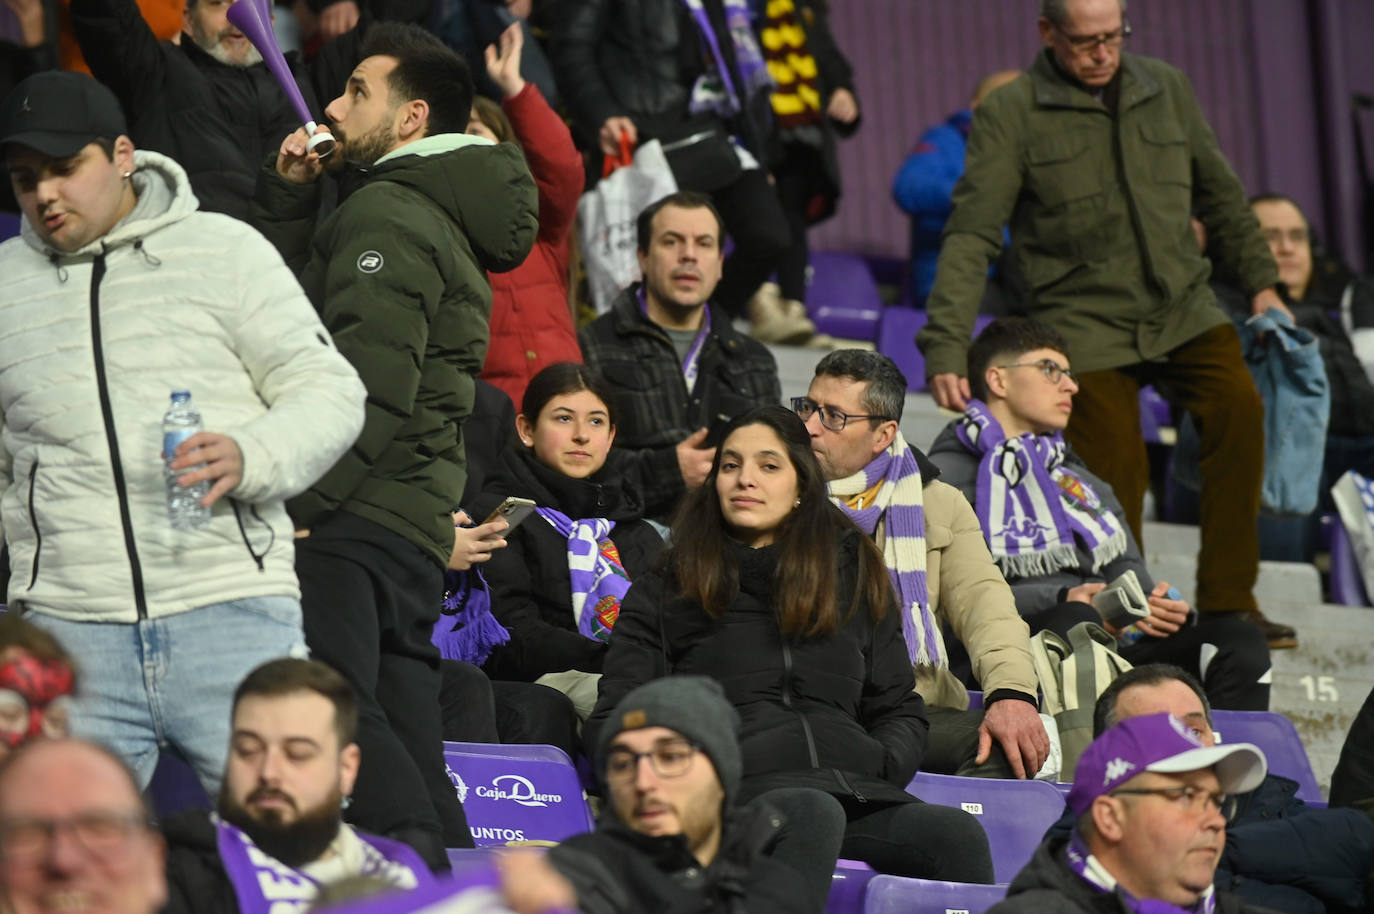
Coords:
265,885
1031,506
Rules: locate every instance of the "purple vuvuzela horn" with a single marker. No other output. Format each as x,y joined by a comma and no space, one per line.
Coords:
254,19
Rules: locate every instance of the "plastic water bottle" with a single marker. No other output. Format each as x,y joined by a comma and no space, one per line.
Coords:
183,502
1133,633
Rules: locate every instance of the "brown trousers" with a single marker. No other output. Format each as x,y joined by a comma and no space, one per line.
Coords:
1208,377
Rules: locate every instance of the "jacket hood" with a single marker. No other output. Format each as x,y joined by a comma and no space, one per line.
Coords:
164,197
484,187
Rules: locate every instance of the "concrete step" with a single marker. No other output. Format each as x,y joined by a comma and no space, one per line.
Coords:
1321,684
1171,539
1294,583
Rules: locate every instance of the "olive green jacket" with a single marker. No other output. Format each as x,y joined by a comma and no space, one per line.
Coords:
398,274
1099,209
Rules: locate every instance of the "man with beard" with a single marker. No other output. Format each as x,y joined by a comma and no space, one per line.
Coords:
398,274
208,102
292,762
672,836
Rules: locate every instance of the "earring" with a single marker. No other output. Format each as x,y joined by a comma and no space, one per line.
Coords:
797,503
128,175
346,802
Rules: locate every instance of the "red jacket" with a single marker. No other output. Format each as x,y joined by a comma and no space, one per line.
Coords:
531,322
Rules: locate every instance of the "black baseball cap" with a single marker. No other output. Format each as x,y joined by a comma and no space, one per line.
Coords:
58,113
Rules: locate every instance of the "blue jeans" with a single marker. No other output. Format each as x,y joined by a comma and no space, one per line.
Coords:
171,681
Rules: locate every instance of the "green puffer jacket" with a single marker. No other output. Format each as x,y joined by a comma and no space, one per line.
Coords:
1099,209
397,273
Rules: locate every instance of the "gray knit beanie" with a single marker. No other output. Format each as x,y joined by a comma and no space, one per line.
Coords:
694,706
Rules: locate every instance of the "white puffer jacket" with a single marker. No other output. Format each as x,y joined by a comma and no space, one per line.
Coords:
91,346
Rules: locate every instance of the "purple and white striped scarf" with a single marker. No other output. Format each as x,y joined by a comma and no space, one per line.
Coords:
715,90
1030,505
1090,870
896,518
264,885
691,364
597,578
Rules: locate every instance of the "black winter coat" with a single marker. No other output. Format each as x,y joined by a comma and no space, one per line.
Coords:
530,591
619,871
1048,885
219,122
196,880
838,713
639,59
654,411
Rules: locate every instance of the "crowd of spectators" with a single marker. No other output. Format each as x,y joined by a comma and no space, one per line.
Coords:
755,613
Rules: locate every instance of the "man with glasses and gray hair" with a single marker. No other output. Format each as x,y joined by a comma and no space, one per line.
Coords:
75,834
1279,853
671,837
1151,802
1057,531
1097,159
940,569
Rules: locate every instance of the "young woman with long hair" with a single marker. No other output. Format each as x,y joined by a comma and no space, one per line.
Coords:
773,591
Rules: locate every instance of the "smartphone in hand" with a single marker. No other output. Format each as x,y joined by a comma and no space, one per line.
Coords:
514,510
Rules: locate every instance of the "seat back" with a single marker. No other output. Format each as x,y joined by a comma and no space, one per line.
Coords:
1347,588
843,299
1015,814
1278,739
517,793
847,886
897,341
899,895
174,787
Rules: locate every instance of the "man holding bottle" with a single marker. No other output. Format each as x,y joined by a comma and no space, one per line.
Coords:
118,293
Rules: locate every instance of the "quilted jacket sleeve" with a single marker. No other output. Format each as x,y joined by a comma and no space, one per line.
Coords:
314,397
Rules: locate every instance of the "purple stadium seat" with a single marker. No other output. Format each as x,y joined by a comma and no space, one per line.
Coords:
175,787
1347,587
975,699
1015,814
9,225
898,895
1278,738
897,341
847,887
1154,414
462,857
843,298
517,793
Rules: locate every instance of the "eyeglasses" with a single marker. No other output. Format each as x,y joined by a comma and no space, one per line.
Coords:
104,835
1195,799
1086,44
832,418
1051,369
670,759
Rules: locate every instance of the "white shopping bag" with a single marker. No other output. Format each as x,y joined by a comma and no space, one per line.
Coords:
606,217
